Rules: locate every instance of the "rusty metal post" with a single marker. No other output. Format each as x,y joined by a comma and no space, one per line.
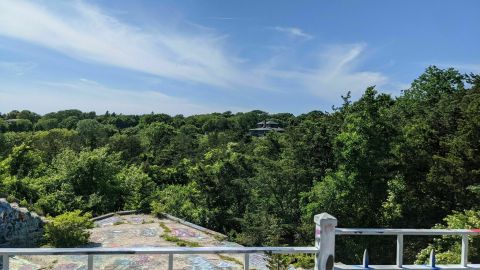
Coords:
325,241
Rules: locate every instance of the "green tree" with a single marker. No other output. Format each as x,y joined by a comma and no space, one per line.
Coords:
3,125
184,201
68,230
156,138
87,181
52,142
23,161
20,125
46,124
448,248
92,133
137,188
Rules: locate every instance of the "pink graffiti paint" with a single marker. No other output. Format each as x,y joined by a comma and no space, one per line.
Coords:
475,230
184,233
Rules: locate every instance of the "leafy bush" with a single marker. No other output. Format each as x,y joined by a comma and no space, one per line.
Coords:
447,247
184,201
69,229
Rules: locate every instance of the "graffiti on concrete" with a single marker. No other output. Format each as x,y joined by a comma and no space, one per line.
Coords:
184,233
18,226
149,232
132,231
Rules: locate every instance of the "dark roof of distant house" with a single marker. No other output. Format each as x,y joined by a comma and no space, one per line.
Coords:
12,120
260,129
267,129
268,122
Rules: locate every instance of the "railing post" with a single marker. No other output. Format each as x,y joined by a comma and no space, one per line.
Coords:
365,261
246,262
90,262
432,259
325,241
6,262
464,260
170,261
399,250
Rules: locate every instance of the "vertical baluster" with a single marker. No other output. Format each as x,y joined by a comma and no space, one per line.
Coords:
90,262
170,261
399,250
365,261
246,262
6,262
464,259
432,258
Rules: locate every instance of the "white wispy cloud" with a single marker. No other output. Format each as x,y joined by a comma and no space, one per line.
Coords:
89,95
199,55
335,73
293,32
85,32
17,68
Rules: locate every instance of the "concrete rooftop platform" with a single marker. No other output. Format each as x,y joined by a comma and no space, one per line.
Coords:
139,230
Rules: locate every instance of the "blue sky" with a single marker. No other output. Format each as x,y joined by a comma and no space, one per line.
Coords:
190,57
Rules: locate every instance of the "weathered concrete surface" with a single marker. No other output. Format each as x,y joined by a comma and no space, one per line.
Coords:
141,231
18,226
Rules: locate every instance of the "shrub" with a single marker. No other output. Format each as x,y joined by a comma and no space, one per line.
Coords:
69,229
448,248
183,201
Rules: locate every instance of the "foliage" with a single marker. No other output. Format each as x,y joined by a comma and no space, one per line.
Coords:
137,187
166,235
448,248
278,262
69,229
379,161
181,201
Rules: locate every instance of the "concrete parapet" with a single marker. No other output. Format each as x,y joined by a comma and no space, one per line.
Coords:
18,226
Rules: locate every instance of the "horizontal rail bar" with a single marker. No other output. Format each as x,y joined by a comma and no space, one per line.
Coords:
154,250
362,231
339,266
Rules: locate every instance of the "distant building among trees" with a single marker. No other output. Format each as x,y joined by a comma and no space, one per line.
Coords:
264,127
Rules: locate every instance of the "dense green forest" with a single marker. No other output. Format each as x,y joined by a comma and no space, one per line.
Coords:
379,161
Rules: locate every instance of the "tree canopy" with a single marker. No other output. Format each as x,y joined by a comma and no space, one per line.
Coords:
379,161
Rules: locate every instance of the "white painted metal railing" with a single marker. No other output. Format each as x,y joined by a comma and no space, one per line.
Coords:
324,249
464,233
170,251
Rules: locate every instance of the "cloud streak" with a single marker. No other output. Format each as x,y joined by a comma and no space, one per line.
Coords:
293,32
190,56
17,68
334,74
84,32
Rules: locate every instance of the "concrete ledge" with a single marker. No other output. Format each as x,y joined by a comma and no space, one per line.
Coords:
165,215
195,226
127,212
